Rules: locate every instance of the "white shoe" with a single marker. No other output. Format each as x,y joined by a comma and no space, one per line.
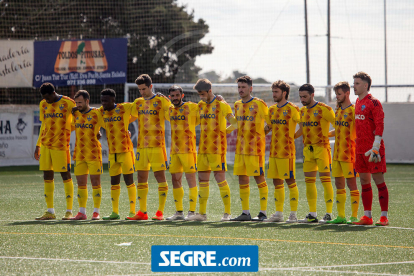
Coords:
275,218
326,217
197,217
189,215
176,216
226,217
292,218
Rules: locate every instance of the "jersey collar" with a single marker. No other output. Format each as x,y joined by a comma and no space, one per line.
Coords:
87,111
212,100
59,99
312,106
249,100
151,97
282,105
346,107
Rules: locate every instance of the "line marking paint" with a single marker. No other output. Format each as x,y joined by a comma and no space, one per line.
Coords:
72,260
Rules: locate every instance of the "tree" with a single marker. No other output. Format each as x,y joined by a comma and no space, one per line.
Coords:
163,38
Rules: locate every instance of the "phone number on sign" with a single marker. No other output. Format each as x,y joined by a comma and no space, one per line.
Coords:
80,82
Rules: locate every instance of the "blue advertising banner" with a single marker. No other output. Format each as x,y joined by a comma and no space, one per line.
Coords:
204,258
80,62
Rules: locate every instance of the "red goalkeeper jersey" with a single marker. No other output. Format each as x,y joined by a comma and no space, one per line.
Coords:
369,121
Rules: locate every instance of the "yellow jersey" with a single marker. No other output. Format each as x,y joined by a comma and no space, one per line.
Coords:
345,134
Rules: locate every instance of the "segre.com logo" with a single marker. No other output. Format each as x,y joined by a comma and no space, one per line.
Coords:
205,258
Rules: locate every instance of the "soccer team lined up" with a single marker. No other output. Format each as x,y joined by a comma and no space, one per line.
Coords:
358,151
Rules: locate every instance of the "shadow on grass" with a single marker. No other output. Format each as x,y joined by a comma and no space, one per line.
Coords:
208,224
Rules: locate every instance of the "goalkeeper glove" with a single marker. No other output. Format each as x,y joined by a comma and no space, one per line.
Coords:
373,153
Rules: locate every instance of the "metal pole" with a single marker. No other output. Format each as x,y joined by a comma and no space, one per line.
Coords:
307,43
328,89
385,50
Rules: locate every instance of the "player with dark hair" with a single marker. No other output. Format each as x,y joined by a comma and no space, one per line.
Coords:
314,125
115,119
343,165
250,148
281,121
184,117
88,154
151,153
52,147
370,149
212,148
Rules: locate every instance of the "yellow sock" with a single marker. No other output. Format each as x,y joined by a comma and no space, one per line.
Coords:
97,196
279,197
115,193
340,201
193,198
68,187
142,196
162,195
82,196
355,203
244,196
264,193
178,194
132,196
311,193
225,196
203,194
294,197
328,192
49,192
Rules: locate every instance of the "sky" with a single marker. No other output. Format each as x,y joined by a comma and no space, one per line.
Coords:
267,39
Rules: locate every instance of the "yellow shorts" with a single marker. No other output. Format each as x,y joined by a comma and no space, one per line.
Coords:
183,162
123,162
88,167
250,165
54,160
155,158
316,159
211,162
343,169
281,168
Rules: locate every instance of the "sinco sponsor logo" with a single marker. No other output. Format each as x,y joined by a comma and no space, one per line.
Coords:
207,116
53,115
278,122
177,118
147,112
112,119
244,118
310,124
359,117
342,123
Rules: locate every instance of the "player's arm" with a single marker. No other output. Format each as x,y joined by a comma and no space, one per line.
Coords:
329,115
299,132
132,119
233,123
378,114
39,142
267,127
196,114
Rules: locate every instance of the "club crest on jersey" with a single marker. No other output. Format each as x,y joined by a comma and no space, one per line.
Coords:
77,118
362,107
181,110
316,113
214,108
45,107
89,118
140,105
303,114
61,107
117,110
273,113
285,112
345,115
155,104
251,107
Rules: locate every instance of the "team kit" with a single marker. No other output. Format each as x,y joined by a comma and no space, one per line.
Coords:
359,150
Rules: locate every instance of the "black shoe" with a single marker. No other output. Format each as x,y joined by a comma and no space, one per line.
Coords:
242,217
309,219
260,217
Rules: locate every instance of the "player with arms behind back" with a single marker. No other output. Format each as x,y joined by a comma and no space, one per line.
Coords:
281,121
343,165
370,150
52,147
212,147
87,154
250,148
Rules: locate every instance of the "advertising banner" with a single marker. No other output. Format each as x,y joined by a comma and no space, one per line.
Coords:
80,62
16,63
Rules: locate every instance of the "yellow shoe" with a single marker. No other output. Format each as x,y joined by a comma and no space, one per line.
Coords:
46,216
68,216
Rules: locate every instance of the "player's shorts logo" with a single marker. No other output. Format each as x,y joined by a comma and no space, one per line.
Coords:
362,107
61,107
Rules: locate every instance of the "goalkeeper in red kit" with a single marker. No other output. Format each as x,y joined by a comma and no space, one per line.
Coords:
370,150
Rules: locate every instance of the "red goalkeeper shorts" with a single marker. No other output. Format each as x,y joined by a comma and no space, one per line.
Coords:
363,166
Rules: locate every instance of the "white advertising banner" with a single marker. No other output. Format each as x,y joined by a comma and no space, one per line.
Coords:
16,136
16,63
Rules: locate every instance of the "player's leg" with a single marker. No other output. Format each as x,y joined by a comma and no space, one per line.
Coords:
340,192
225,195
132,195
61,163
263,195
142,166
193,193
383,197
127,161
362,167
96,195
353,188
204,171
323,159
310,167
279,197
244,187
293,199
158,160
82,180
178,194
49,188
115,171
